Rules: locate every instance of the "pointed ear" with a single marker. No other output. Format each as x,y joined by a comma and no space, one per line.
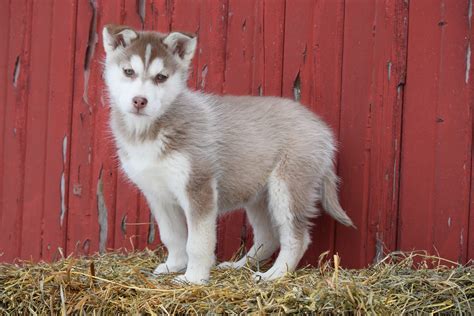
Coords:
115,36
181,45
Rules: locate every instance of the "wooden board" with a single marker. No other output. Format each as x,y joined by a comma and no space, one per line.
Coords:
14,129
325,100
437,132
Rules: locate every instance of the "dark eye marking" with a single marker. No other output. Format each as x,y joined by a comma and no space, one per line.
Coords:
160,78
129,72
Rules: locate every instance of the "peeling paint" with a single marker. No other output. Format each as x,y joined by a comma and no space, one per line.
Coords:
469,13
468,62
123,225
64,149
449,222
203,77
90,48
389,69
378,249
77,189
102,214
62,199
16,71
394,180
86,246
141,10
305,52
297,88
63,183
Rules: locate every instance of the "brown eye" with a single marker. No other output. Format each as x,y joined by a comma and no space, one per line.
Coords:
160,78
128,72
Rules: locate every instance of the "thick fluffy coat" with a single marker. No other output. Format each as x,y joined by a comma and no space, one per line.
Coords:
195,155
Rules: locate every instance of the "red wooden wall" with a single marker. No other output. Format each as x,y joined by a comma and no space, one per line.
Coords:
392,77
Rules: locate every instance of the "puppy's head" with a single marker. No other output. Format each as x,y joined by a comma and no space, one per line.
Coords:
145,71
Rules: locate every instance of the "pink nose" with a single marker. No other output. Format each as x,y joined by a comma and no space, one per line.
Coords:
139,102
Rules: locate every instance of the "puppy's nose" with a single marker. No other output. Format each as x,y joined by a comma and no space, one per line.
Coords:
139,102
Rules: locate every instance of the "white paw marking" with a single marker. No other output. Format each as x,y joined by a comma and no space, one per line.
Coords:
164,268
189,279
231,265
270,275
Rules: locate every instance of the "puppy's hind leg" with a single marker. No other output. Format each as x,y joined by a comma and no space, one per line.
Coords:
293,235
265,241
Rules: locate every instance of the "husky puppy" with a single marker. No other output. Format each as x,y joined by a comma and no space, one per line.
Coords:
195,156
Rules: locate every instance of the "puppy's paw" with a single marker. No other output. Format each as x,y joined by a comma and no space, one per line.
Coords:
227,265
164,268
186,279
234,264
270,275
180,279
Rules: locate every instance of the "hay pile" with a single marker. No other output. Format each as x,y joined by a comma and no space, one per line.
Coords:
121,283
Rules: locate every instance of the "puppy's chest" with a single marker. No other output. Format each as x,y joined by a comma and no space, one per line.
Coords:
152,172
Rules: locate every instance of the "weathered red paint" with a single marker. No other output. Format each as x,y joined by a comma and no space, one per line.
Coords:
326,50
437,131
14,129
392,78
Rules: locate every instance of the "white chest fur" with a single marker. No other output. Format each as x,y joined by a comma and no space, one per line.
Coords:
164,177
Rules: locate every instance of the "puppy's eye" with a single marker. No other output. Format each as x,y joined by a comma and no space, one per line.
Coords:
160,78
128,72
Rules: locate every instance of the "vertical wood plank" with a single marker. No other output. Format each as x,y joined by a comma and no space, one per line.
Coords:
58,129
82,224
355,142
5,81
14,140
273,31
437,131
297,61
210,55
470,82
327,47
35,136
386,113
158,15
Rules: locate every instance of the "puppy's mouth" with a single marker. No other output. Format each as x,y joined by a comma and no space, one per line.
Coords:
136,113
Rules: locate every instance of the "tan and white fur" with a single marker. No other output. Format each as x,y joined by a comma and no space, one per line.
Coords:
195,156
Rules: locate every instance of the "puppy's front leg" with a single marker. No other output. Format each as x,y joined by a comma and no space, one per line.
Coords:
201,217
172,227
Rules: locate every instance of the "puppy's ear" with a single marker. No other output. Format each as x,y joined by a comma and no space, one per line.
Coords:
181,45
115,36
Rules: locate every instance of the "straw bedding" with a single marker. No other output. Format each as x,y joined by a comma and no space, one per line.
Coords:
122,283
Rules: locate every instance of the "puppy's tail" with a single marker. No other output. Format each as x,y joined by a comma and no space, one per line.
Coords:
330,200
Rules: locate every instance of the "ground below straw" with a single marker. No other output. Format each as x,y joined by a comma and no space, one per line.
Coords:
122,283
